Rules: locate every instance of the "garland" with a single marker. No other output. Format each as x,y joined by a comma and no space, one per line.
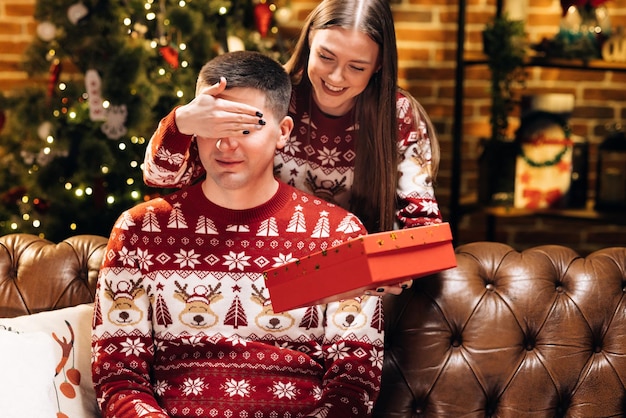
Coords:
548,163
541,139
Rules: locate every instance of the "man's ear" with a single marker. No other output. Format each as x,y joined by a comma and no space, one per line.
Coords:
285,126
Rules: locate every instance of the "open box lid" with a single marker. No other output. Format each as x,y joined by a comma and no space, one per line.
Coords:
362,263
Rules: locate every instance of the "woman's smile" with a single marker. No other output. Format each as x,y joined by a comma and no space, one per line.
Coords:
332,88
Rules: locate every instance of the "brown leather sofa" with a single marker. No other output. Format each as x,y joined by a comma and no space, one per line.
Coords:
538,333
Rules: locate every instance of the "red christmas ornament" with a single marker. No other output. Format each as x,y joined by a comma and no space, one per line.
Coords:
54,73
41,205
170,55
13,195
3,119
262,18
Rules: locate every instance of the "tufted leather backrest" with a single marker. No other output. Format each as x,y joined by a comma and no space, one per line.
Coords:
37,275
538,333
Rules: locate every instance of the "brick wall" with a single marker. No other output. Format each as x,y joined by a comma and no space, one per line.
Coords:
16,30
426,32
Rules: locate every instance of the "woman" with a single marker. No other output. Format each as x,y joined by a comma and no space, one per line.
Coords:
358,140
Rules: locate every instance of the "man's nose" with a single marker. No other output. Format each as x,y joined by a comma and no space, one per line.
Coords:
226,143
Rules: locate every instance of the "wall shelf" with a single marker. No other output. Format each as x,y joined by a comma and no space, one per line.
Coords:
574,64
463,205
471,59
469,204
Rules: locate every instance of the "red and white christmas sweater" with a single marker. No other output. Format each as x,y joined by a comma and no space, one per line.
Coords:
318,158
184,326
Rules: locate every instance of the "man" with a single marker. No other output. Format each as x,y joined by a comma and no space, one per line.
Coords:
183,322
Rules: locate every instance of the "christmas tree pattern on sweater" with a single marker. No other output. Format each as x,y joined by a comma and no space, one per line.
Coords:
182,293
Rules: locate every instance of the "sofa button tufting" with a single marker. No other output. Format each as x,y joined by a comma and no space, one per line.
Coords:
559,289
490,287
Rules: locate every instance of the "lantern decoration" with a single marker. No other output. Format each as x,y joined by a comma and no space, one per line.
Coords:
552,163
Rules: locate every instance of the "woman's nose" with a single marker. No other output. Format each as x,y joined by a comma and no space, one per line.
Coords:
336,75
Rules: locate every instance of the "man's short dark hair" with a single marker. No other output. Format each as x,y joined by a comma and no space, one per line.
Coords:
253,70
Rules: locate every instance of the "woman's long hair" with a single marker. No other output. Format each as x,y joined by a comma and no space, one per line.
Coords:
376,164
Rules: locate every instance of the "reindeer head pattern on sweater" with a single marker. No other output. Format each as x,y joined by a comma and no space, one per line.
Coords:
267,319
124,311
415,169
198,312
349,315
325,189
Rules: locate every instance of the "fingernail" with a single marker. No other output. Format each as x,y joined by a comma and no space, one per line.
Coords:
380,289
259,114
261,122
246,132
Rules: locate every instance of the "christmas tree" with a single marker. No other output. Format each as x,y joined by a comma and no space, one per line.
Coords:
72,145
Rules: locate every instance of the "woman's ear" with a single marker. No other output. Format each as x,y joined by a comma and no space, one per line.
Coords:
285,127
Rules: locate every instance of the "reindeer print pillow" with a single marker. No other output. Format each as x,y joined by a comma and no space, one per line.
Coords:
69,331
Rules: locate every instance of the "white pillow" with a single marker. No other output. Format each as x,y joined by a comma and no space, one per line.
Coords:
27,374
73,383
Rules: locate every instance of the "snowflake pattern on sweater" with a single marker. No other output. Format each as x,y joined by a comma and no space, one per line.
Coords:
318,158
184,326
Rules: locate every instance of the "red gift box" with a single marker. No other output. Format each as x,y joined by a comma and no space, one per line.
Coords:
367,262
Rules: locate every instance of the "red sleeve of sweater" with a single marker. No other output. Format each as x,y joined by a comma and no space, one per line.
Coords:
122,356
171,158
